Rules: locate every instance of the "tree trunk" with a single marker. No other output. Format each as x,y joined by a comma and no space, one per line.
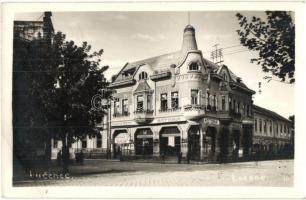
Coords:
65,154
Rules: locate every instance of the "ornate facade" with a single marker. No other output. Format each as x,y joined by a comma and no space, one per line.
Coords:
181,103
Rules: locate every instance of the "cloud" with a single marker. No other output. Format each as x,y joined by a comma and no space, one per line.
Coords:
154,38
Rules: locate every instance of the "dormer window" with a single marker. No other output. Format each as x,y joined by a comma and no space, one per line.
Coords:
224,77
143,76
194,67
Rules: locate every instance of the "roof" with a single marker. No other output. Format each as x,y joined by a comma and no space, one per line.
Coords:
143,86
269,113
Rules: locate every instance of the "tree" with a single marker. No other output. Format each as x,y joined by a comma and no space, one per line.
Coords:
274,40
79,77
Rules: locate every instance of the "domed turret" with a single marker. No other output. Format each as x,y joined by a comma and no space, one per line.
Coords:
189,40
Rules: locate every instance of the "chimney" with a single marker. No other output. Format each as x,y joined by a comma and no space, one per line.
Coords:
189,40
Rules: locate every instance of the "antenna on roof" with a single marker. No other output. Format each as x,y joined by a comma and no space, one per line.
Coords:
217,55
188,17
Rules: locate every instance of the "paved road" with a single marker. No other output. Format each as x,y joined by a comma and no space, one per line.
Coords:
115,173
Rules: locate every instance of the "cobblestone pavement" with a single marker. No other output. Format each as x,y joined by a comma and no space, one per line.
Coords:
115,173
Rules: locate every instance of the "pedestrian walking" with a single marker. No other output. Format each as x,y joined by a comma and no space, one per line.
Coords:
59,157
179,157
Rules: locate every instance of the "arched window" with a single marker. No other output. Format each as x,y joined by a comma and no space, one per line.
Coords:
194,67
143,75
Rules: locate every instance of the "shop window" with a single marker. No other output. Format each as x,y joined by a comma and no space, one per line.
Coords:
99,141
139,103
84,142
193,67
194,97
55,144
174,100
164,101
143,76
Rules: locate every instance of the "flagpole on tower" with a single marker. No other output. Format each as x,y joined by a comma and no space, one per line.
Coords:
188,17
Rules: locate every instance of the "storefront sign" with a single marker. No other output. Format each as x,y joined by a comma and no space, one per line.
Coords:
168,119
210,121
171,141
122,138
125,123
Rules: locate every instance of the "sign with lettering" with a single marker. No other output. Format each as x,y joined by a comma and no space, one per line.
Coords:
210,121
168,119
123,123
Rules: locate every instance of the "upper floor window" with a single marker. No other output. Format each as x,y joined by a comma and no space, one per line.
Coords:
229,103
194,96
248,110
255,125
281,128
164,101
174,100
194,67
143,76
116,107
260,126
125,107
139,103
149,102
223,103
270,127
265,126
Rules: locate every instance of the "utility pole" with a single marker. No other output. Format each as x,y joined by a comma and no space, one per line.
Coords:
217,54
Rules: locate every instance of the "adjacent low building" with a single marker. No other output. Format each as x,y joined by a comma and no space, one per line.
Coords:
272,134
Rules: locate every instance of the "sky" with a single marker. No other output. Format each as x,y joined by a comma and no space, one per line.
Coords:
131,36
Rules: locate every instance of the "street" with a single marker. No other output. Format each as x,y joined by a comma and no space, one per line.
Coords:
115,173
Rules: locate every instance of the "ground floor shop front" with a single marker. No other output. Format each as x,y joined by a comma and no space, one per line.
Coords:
207,139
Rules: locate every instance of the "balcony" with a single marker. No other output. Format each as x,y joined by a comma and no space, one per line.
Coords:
170,110
229,115
143,116
124,114
193,111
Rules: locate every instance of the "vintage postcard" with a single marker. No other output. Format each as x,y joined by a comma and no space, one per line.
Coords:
152,100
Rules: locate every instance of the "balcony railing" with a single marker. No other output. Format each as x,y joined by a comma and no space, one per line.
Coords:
193,111
192,107
231,114
144,112
124,114
143,116
170,110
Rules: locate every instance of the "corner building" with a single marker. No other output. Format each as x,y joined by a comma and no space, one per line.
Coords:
181,102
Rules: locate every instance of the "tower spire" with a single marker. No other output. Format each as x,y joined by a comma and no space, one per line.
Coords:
189,40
